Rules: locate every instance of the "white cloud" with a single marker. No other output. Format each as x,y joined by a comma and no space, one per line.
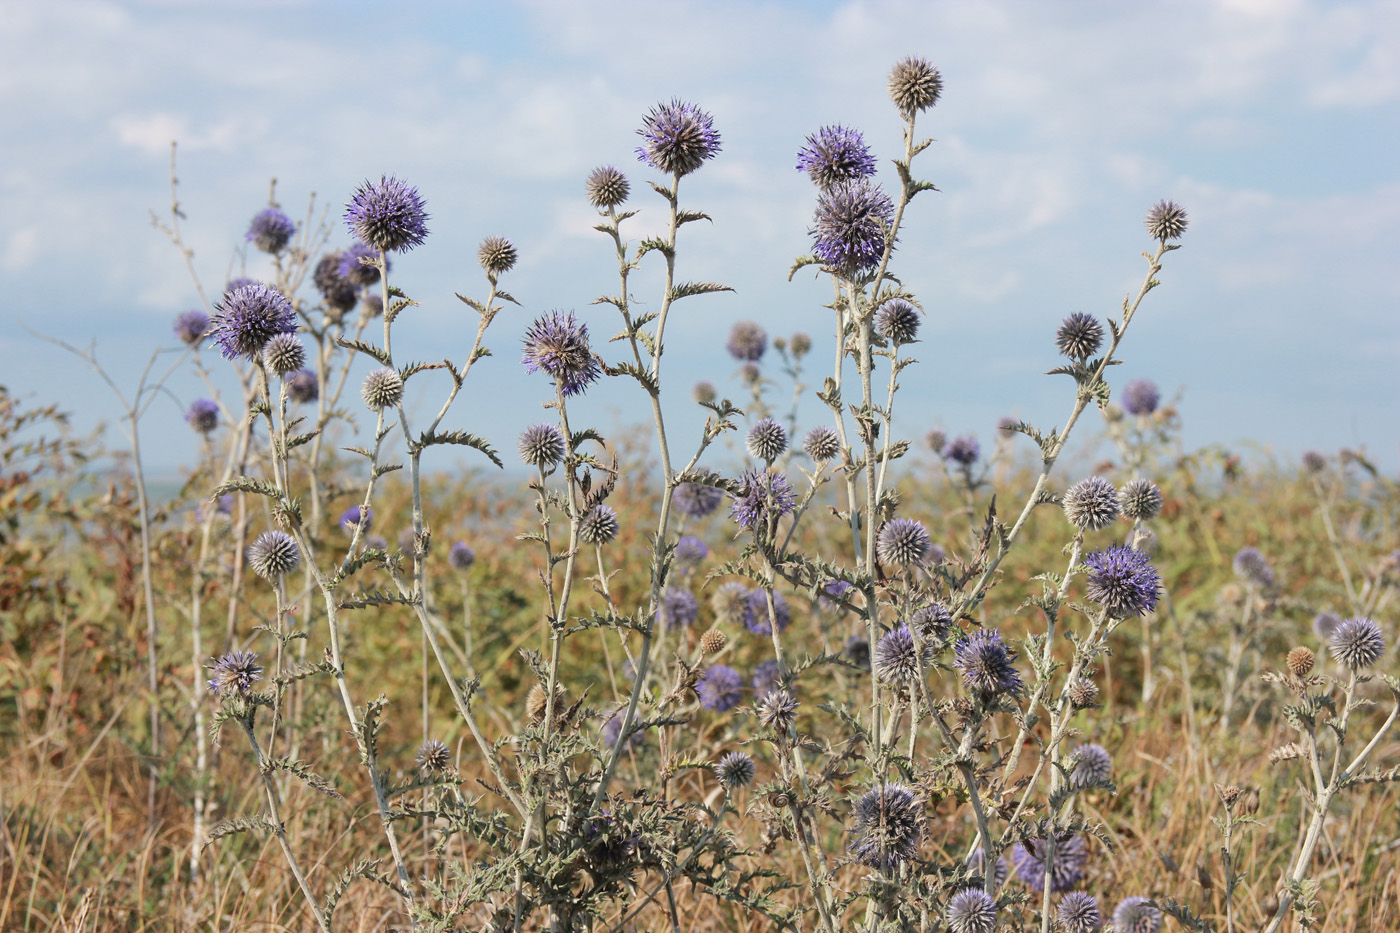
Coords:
21,250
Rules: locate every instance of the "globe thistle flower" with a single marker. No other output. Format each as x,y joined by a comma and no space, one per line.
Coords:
352,517
1079,913
887,824
679,607
857,651
303,387
1091,504
607,187
987,664
274,554
747,342
713,641
896,661
730,602
461,556
696,499
375,543
373,305
382,388
1300,661
902,541
387,216
339,292
850,226
1357,643
433,757
496,255
357,265
750,374
690,551
1080,336
719,688
1252,567
541,445
801,344
598,525
703,393
1140,499
735,770
777,709
766,440
914,85
1136,915
756,612
203,415
557,345
963,451
677,138
832,594
1123,581
271,231
248,317
1166,221
1083,693
765,678
1092,766
612,728
190,327
763,494
971,910
897,321
977,862
936,441
1313,461
1325,624
1140,397
834,154
234,673
1070,860
284,354
934,622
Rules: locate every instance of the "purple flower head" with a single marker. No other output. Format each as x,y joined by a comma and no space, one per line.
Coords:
1166,221
541,445
887,824
934,622
1357,643
1080,336
461,556
898,321
677,138
747,342
902,541
271,231
1140,397
248,317
1093,766
822,443
831,595
1079,913
777,709
351,518
679,607
203,415
1069,861
1252,567
896,660
763,494
765,678
235,673
756,612
612,727
433,757
275,554
1136,915
766,440
963,451
987,663
1325,624
697,500
1123,581
339,292
302,387
735,770
191,326
719,688
971,910
850,226
387,215
355,271
557,345
834,154
690,551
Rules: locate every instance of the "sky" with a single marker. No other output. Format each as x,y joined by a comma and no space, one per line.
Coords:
1275,123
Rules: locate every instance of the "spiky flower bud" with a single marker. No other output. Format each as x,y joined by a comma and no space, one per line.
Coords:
801,344
767,440
747,342
1140,499
1080,336
1313,461
606,187
382,388
822,443
972,910
461,556
1324,624
914,85
896,660
703,393
936,440
598,525
235,673
833,154
963,451
902,541
1079,913
1091,504
284,354
203,415
897,321
302,387
1083,693
274,554
1166,221
1300,661
433,757
541,445
777,710
713,642
677,138
1253,568
496,255
735,770
1358,643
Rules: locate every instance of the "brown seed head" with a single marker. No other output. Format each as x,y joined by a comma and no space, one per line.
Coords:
536,702
1228,794
713,641
1300,661
1083,693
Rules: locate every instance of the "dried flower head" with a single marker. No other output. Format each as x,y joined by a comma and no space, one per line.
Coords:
887,824
203,415
1083,693
896,660
274,554
697,500
387,215
1313,461
1253,568
936,440
852,222
1080,336
987,663
1068,862
713,642
1300,661
382,388
735,770
541,445
303,387
1357,643
1140,397
914,85
461,556
433,757
537,702
1325,624
719,688
763,494
963,451
766,440
246,318
271,231
704,393
606,187
557,345
234,673
730,601
1079,913
679,607
897,321
834,154
902,541
1166,221
971,910
284,354
1123,581
747,342
1140,499
1091,504
756,618
822,443
1136,915
801,344
1092,766
777,709
191,326
598,525
496,255
677,138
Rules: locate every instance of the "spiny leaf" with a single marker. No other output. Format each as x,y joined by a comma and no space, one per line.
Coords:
368,349
308,777
686,289
459,438
242,824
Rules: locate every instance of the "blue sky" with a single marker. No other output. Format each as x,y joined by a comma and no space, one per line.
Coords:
1276,123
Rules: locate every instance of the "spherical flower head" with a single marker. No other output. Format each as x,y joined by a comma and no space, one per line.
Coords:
284,354
235,673
756,612
1140,397
190,327
203,415
1080,336
987,664
679,607
1166,221
303,387
1091,504
704,393
1136,915
607,187
801,344
832,595
248,317
1079,913
357,265
598,525
850,226
1313,461
461,556
387,215
735,770
719,688
902,541
835,154
914,85
887,824
896,660
274,554
354,516
557,345
971,910
730,601
1357,643
1083,693
963,451
677,138
382,388
1092,766
697,500
1123,581
747,342
822,443
541,445
338,291
897,321
433,757
1069,861
750,374
857,651
766,440
777,709
977,861
271,231
496,255
690,551
762,494
713,641
1253,568
612,728
1300,661
765,678
1140,499
933,622
1325,625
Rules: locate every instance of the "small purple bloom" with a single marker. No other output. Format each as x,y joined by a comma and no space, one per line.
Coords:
203,415
354,270
756,612
765,678
388,215
887,824
1140,397
235,673
679,607
697,500
832,595
351,518
191,326
271,231
747,342
835,154
461,556
852,221
763,494
963,451
248,317
719,688
557,345
1068,862
303,387
690,551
